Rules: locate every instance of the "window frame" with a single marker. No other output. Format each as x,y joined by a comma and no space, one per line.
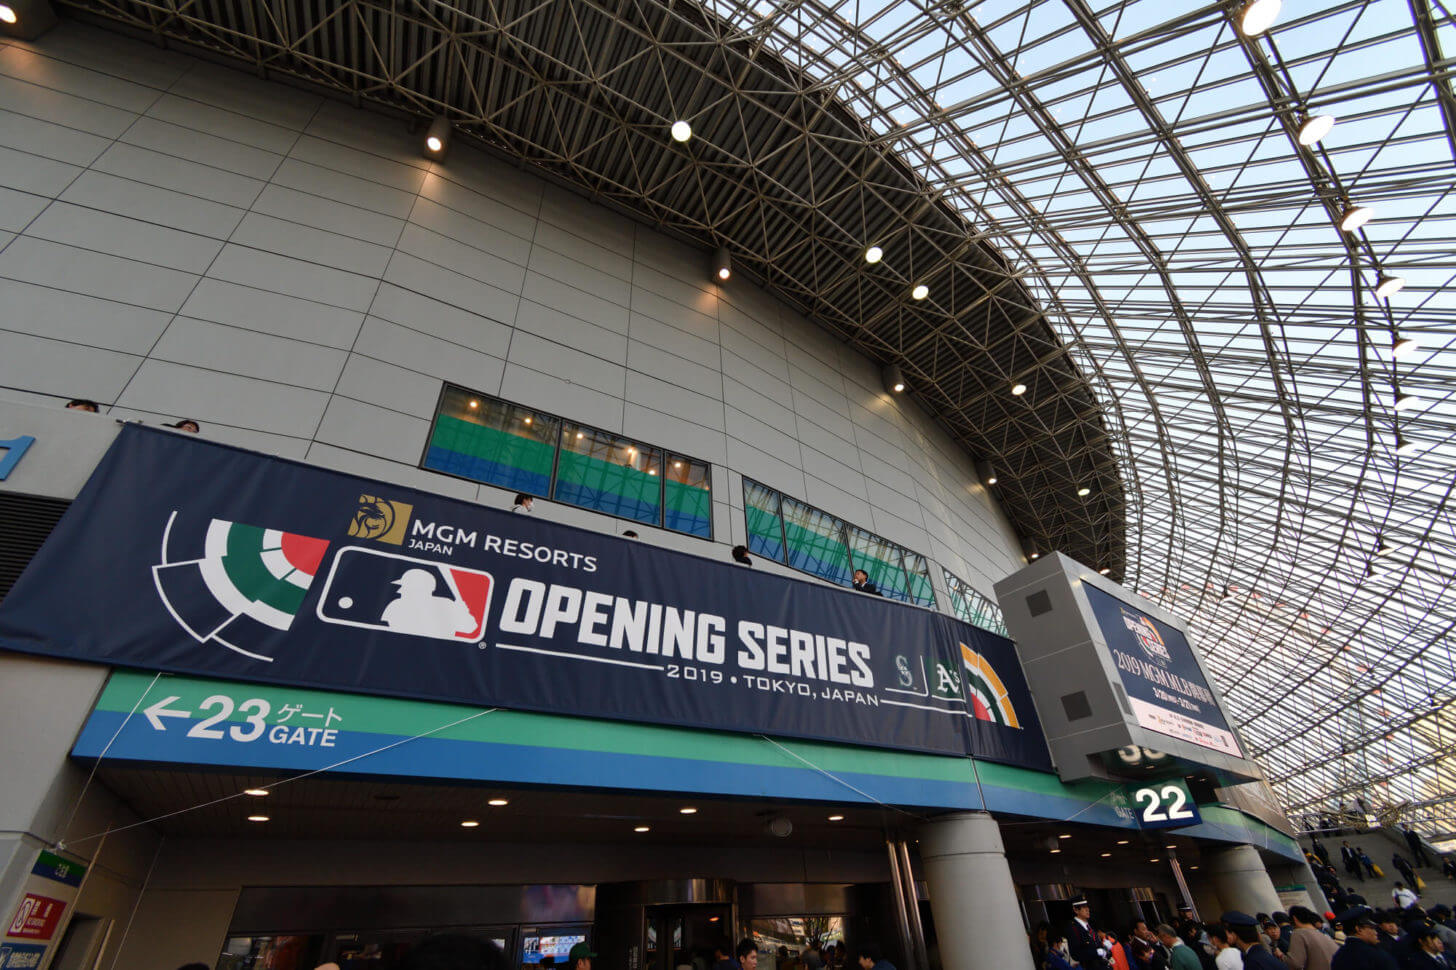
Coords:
666,454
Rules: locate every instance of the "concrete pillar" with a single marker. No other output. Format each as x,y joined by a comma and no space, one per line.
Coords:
972,897
1241,881
1312,886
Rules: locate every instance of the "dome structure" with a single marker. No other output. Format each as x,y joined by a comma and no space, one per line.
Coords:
1180,283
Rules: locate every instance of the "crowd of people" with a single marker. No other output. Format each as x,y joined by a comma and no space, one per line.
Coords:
1359,938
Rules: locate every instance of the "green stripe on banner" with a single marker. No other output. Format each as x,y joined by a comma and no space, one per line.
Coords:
390,716
243,562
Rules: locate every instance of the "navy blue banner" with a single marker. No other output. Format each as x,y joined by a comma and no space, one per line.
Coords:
192,557
1164,684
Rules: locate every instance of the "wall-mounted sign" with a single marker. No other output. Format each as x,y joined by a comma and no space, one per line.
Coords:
1163,804
36,923
11,451
201,558
1163,681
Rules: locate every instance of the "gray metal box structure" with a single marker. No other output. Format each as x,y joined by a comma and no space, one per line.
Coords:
1115,676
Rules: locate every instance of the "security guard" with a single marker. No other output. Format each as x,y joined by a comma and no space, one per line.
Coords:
1362,949
1082,943
1245,930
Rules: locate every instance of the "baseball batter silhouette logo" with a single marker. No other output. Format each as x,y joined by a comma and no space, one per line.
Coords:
377,590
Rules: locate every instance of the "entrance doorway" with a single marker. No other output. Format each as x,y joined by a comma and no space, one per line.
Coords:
684,934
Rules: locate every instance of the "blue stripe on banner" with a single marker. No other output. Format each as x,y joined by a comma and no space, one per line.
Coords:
484,470
449,759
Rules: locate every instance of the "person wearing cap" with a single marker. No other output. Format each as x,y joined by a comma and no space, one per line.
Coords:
1082,943
1244,934
580,957
1286,931
1309,949
1427,952
1362,950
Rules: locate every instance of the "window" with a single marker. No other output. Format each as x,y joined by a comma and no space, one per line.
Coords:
614,475
796,534
489,440
971,606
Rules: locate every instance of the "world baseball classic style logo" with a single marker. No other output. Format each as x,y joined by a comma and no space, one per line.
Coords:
247,585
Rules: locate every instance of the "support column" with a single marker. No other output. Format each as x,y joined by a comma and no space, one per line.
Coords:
972,896
1241,881
1312,886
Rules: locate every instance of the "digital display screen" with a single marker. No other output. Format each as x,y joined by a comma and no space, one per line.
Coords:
1163,681
534,948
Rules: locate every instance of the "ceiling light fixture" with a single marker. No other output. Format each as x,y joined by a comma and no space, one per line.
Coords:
1029,549
1383,548
255,792
469,823
474,405
985,472
722,264
1403,344
1104,570
1084,491
892,378
1107,855
1056,851
437,138
687,810
836,818
1388,286
7,14
26,19
874,254
1065,835
920,292
643,828
1018,389
1405,446
1257,16
1314,128
1355,216
681,131
497,803
1122,841
257,818
1406,401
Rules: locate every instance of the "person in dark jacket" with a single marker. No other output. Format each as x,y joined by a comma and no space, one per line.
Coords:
1362,949
1244,934
863,584
1082,942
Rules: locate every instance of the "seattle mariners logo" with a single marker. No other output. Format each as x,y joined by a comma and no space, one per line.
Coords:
902,670
1147,636
380,518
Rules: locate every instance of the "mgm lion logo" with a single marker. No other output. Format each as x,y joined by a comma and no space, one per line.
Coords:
381,519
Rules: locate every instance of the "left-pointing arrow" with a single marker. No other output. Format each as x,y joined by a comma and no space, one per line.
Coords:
159,710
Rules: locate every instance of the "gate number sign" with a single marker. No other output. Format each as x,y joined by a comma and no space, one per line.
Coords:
1164,805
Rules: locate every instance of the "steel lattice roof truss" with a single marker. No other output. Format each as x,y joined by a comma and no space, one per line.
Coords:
1110,204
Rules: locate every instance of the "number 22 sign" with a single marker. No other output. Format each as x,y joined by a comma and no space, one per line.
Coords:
1164,805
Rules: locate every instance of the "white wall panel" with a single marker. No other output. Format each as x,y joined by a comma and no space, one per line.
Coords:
290,272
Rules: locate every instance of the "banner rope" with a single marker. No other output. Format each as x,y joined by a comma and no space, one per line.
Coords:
833,777
76,805
60,846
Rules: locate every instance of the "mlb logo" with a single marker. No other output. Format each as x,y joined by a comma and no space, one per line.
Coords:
377,590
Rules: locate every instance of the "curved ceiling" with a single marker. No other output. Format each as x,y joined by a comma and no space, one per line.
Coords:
1110,204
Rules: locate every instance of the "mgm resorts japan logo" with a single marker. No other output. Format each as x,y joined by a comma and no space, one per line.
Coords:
382,519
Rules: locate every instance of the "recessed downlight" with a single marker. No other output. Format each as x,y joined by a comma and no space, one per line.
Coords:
687,810
469,823
874,254
255,792
681,131
643,828
1065,835
257,818
7,14
1122,841
1107,855
1056,851
836,818
497,802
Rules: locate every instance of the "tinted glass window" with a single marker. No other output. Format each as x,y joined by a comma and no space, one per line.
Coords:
765,524
687,496
608,473
815,542
494,442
